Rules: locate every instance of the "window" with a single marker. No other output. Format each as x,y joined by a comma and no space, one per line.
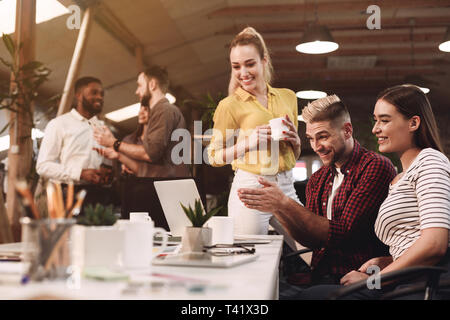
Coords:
300,172
316,164
45,10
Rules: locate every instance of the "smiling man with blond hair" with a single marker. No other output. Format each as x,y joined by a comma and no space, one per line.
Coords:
342,197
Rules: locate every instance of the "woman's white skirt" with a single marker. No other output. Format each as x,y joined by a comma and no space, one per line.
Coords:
251,221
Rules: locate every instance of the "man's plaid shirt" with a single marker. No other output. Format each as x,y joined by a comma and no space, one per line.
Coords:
351,238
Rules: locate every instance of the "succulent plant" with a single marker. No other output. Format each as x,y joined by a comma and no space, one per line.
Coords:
196,215
97,216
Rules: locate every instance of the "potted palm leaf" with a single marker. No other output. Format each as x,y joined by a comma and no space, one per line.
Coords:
197,236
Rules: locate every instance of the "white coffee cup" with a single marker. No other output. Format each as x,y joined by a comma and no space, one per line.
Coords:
222,230
140,217
138,243
277,127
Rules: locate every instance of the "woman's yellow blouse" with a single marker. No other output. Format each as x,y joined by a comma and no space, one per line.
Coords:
240,113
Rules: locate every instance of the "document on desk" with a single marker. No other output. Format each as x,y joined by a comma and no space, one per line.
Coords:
251,239
11,251
204,259
11,272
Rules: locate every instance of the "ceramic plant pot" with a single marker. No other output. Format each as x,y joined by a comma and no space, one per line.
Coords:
194,239
97,246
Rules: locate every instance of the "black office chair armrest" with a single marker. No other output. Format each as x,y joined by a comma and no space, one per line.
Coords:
421,287
292,263
403,275
295,253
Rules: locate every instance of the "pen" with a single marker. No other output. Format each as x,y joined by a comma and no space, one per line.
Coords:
59,201
69,199
77,207
27,198
51,201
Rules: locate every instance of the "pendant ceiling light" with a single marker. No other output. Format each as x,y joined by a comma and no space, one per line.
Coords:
311,94
445,45
317,39
310,90
419,81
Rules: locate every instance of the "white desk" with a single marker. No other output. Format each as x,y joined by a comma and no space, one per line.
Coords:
256,280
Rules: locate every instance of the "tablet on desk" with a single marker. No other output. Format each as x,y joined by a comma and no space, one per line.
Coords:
203,259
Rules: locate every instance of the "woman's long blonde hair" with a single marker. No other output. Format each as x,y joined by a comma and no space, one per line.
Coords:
250,36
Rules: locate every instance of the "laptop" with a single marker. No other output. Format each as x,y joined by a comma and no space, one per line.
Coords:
139,195
171,193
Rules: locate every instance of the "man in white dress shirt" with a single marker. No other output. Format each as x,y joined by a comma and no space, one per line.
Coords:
66,152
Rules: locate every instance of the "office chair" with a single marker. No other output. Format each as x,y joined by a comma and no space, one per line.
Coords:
429,287
294,269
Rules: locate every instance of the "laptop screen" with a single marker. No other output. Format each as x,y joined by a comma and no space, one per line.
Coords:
139,195
171,193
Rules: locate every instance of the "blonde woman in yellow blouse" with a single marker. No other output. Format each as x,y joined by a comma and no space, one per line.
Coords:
242,134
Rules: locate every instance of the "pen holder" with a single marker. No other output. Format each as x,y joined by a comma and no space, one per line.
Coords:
46,248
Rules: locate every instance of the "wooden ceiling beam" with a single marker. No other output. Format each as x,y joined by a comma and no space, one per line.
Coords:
395,57
311,7
112,24
372,38
356,74
335,24
335,87
432,49
322,63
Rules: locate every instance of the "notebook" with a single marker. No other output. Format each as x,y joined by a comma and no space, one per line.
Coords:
203,259
171,193
11,251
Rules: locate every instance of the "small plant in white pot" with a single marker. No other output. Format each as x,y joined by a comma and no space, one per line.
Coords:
97,242
197,236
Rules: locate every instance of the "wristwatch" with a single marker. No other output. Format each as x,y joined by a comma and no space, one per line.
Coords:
116,144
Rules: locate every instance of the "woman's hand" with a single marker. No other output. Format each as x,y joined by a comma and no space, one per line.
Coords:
292,137
380,262
260,136
361,274
352,277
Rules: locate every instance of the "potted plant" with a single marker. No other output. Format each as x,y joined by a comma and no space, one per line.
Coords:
206,107
18,95
97,216
97,242
197,236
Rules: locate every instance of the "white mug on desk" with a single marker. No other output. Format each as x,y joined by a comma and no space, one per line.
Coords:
222,230
140,217
138,243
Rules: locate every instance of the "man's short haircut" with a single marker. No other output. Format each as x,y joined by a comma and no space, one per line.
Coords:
330,108
83,82
161,75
